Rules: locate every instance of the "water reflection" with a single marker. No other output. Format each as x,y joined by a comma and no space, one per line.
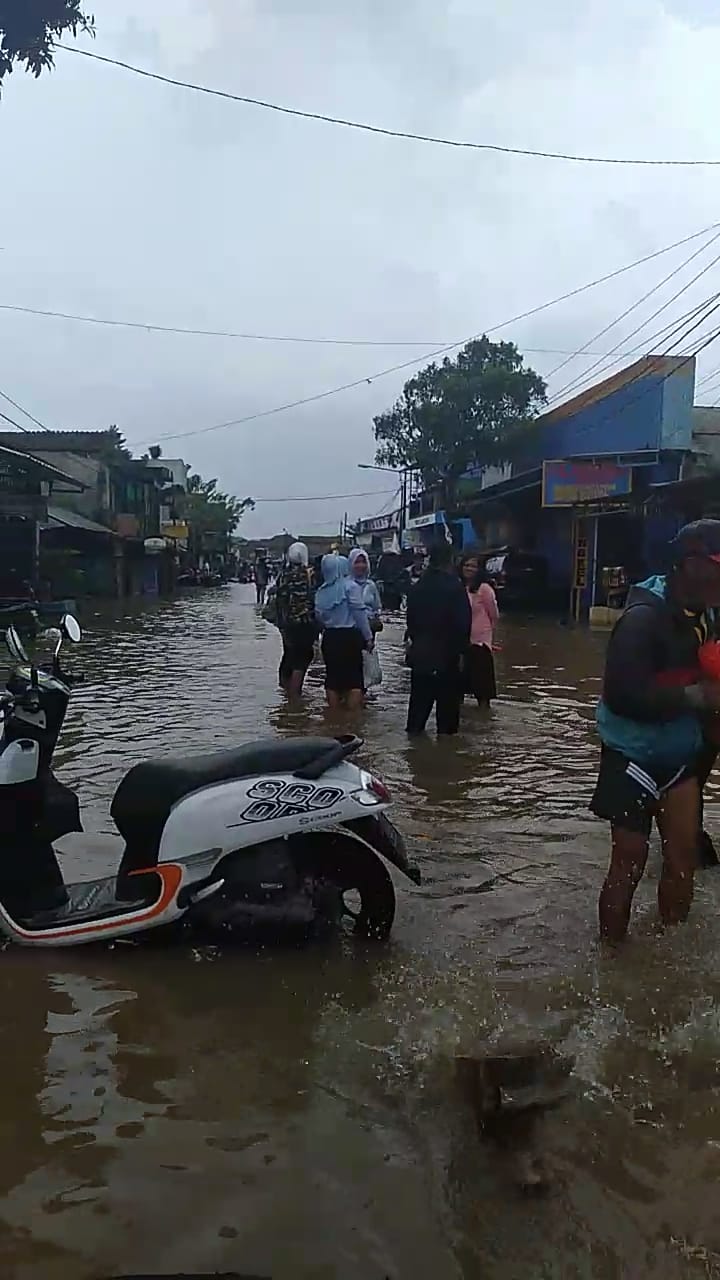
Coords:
176,1109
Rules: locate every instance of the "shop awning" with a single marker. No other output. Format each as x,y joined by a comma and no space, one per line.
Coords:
62,517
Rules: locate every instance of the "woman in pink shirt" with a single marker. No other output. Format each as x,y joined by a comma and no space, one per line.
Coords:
479,662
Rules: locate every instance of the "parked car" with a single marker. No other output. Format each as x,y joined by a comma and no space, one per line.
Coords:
520,578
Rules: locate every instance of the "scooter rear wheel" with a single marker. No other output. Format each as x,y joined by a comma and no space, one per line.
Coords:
354,883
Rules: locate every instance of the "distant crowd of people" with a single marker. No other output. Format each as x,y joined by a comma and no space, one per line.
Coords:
452,613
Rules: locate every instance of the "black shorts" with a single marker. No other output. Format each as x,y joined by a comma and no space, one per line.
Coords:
298,648
628,795
342,649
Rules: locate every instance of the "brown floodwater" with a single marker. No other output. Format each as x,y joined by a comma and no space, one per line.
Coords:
292,1113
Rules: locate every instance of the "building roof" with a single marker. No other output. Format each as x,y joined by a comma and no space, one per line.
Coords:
659,366
59,441
45,470
63,516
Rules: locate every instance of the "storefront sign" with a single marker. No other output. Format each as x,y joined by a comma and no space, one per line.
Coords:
581,562
177,531
424,522
154,546
569,484
380,524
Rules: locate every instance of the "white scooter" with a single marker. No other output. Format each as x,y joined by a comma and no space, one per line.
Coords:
271,833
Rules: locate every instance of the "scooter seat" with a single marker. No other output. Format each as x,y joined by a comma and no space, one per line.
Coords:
143,801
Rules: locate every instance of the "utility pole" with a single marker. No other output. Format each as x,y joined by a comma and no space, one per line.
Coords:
403,503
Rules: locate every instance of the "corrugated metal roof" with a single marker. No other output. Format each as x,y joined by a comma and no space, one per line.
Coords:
73,520
40,466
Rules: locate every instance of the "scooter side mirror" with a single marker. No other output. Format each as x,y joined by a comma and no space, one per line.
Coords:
15,646
71,627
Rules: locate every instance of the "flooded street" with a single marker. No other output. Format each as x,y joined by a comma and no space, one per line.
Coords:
293,1114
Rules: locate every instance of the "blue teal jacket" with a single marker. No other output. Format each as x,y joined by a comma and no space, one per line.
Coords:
652,658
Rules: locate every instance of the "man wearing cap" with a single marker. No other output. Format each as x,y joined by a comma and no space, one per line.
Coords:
650,720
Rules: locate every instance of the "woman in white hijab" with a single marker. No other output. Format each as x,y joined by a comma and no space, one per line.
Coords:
296,619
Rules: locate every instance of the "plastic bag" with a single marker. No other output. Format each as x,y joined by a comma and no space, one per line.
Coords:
372,671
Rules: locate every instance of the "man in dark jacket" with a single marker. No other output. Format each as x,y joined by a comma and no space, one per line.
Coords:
654,705
438,632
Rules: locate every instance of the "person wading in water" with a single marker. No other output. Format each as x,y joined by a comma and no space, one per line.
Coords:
295,606
438,636
262,577
360,572
479,668
650,721
341,613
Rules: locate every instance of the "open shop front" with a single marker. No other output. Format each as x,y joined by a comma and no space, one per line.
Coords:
608,551
608,533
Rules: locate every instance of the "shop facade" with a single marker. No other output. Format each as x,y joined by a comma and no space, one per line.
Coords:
581,499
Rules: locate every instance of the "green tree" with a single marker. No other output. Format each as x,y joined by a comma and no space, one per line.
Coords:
473,411
28,29
212,515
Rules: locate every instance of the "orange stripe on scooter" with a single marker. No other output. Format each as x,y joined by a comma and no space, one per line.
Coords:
171,876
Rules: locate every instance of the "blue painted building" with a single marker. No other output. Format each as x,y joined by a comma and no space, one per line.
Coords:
635,426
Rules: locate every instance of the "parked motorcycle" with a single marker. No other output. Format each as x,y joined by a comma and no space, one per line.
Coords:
268,834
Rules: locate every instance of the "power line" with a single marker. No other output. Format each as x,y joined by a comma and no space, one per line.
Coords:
15,405
12,422
601,334
81,462
381,130
407,364
209,333
677,331
638,329
327,497
384,508
709,376
319,524
143,326
660,335
645,373
568,386
712,387
147,327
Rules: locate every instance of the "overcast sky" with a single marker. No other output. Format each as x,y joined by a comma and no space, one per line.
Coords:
130,199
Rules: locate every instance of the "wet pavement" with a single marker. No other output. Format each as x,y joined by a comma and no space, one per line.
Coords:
293,1114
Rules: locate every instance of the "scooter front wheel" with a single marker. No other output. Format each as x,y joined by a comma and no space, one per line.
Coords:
353,888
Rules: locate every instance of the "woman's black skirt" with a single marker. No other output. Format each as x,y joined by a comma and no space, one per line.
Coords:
480,673
342,649
298,647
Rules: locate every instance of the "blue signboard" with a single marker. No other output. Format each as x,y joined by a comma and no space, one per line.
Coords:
570,484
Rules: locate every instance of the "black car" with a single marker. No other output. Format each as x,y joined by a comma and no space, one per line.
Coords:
520,578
